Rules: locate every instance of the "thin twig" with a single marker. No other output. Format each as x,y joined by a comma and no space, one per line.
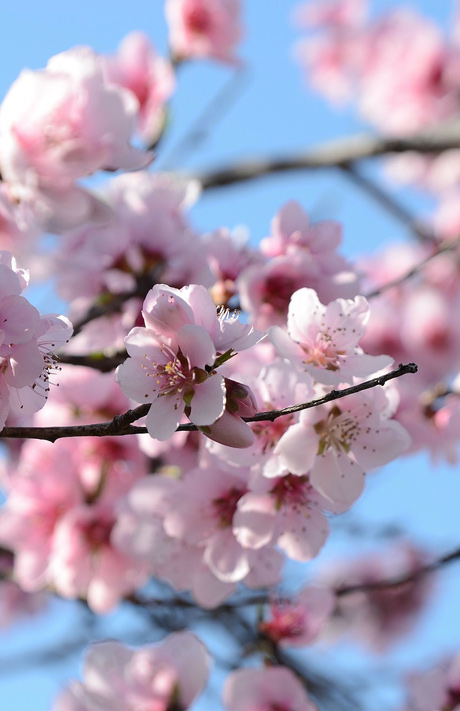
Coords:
207,120
443,248
122,424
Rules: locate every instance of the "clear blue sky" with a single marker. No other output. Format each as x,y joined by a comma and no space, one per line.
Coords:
274,113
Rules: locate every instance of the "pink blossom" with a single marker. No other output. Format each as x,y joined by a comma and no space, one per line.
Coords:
150,78
84,562
336,444
27,344
287,511
265,690
172,360
205,504
415,95
147,679
331,13
204,28
228,254
298,621
140,532
323,340
276,386
60,124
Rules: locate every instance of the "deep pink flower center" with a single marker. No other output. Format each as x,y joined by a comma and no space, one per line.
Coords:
278,289
291,490
198,19
452,700
97,532
288,622
225,505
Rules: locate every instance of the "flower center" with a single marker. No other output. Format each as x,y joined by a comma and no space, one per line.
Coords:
198,19
225,506
269,433
322,352
338,430
291,490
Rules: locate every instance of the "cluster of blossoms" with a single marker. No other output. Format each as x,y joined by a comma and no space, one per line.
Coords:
401,72
172,675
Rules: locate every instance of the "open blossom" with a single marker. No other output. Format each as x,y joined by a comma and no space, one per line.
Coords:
148,76
60,124
287,511
265,690
204,28
298,621
172,360
323,340
27,344
169,675
338,443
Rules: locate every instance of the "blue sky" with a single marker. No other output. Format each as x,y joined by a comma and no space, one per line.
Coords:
274,113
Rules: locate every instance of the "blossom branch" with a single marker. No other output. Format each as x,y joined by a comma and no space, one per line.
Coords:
122,424
331,154
388,202
403,579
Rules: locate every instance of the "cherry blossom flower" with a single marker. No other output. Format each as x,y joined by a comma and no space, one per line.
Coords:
204,28
61,124
265,690
336,444
172,360
155,678
137,67
324,339
27,344
287,511
298,621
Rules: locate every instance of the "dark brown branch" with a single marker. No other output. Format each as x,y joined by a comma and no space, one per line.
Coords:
122,424
332,154
403,579
105,364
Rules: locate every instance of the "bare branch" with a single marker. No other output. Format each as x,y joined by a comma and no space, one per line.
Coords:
388,202
122,424
403,579
332,154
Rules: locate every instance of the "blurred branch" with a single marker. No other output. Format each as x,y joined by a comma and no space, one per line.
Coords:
333,154
105,364
403,579
388,202
122,424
